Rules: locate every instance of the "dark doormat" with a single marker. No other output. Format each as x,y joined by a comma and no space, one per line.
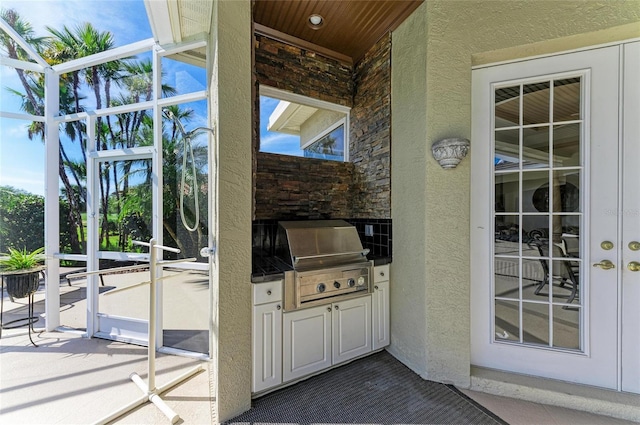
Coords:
377,389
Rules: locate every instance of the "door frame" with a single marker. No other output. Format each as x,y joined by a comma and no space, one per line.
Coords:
137,327
630,211
481,237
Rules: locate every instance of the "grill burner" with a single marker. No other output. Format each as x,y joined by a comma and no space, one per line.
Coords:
328,261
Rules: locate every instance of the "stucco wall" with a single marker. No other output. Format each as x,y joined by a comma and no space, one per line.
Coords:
231,109
431,97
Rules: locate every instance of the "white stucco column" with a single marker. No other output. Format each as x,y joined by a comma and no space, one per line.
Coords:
409,153
231,105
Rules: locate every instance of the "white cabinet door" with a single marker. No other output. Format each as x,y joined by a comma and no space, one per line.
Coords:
267,346
351,328
380,315
307,342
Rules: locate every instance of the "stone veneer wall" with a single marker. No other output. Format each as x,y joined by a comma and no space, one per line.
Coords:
370,137
289,187
301,71
281,180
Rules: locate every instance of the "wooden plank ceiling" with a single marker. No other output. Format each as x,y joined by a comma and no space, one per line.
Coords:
350,27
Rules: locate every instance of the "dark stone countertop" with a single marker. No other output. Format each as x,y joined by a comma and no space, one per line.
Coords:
267,268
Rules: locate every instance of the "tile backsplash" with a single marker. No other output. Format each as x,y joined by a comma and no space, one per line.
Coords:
379,243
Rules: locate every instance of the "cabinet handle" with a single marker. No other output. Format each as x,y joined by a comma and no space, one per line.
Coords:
381,273
336,307
329,309
376,287
278,307
269,292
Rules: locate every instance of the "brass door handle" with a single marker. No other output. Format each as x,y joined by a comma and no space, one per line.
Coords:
634,246
634,266
605,265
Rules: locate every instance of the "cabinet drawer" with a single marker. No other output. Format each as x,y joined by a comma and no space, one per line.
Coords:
381,273
267,292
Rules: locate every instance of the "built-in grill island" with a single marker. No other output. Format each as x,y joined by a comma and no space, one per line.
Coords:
327,259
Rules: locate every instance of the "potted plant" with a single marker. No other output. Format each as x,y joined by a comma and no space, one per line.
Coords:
20,270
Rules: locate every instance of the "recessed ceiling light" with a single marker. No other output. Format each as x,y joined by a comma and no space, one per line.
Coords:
315,21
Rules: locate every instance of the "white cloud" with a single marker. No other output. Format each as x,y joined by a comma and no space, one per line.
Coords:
32,184
273,139
13,129
280,143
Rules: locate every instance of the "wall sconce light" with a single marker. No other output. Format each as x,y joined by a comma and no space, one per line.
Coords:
449,152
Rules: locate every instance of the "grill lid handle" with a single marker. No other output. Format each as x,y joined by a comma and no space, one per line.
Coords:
363,253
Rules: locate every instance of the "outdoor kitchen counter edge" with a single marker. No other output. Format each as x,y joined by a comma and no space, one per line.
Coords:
258,276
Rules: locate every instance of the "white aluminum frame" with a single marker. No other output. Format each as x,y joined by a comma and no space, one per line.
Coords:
52,120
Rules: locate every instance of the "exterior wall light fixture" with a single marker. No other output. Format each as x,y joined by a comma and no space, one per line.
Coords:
449,152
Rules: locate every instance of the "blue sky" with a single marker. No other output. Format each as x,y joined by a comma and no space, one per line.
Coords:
21,159
275,142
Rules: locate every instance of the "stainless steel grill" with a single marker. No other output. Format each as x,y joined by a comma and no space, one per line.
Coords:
328,261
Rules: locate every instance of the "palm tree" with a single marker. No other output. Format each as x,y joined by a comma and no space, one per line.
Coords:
25,30
33,103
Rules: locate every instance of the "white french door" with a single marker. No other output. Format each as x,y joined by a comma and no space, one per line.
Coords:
554,190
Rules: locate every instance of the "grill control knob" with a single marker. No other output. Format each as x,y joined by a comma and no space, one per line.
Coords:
336,284
321,287
361,281
351,283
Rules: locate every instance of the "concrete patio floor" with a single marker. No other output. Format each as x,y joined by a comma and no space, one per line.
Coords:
74,380
70,379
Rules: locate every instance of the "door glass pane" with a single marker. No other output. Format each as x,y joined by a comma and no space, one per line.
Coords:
507,152
570,234
507,112
535,323
535,147
566,327
124,205
507,235
507,277
535,103
507,192
186,309
534,278
535,191
121,294
566,145
535,230
507,320
566,100
538,213
566,191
